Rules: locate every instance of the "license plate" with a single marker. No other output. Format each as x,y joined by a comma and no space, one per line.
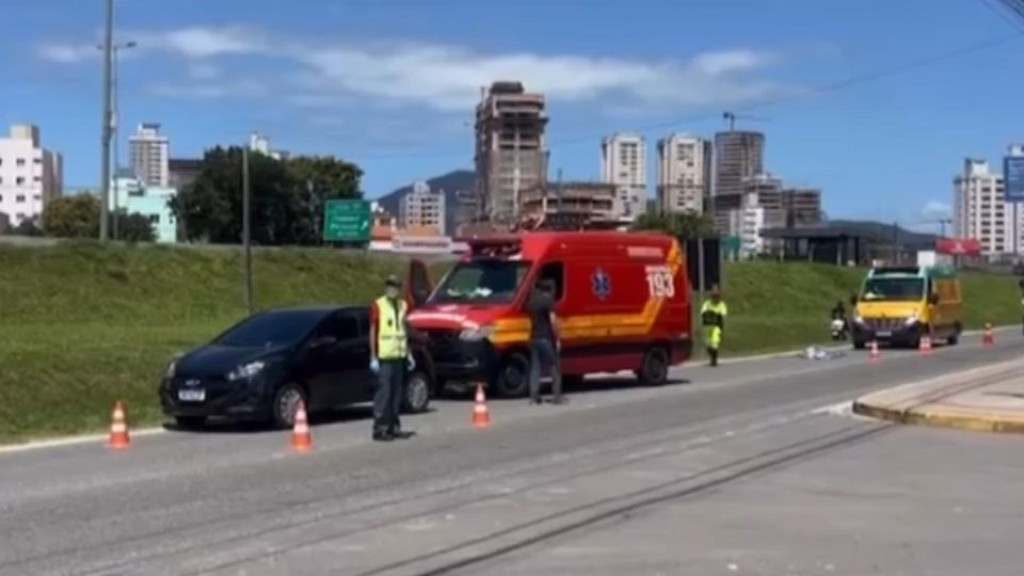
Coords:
192,395
884,334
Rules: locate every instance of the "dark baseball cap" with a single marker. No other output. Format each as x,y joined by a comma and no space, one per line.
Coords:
393,281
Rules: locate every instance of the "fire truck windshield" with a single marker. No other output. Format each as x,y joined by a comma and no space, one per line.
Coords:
484,281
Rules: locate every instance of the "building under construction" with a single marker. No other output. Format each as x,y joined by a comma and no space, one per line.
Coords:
510,152
739,156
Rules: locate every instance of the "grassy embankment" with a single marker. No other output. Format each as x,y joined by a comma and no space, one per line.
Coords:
82,325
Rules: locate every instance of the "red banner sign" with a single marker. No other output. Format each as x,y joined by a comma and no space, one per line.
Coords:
958,246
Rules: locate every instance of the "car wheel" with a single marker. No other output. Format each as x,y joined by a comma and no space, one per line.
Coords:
190,422
654,370
859,344
417,394
286,401
513,377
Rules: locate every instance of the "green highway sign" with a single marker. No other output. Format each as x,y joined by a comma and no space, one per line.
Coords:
347,221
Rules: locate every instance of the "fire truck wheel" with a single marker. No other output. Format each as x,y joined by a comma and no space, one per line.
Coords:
513,377
654,370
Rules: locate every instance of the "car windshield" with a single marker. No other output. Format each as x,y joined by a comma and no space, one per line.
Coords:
271,329
893,289
482,281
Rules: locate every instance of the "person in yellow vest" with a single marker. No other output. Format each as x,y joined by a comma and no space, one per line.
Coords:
390,356
712,316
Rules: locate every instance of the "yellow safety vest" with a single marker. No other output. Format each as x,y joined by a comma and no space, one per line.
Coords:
392,343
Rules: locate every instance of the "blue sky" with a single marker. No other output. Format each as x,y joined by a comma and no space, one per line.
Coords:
390,84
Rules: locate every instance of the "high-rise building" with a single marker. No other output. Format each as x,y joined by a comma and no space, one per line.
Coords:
422,210
684,173
260,143
510,153
30,176
980,210
739,155
151,155
624,164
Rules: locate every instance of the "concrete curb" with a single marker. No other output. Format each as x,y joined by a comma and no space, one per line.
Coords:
940,418
924,408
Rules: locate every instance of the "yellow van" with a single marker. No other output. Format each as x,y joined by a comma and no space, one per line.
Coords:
899,305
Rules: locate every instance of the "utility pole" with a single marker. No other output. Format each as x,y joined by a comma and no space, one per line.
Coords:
115,122
247,229
108,45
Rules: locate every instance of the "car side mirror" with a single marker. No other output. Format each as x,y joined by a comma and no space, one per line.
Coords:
853,299
419,297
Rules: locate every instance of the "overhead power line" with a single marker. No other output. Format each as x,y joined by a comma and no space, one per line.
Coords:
708,116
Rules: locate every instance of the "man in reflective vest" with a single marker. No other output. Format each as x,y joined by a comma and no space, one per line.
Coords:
712,316
389,358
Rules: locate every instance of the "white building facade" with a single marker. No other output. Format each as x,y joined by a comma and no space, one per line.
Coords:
684,173
30,176
151,155
980,210
260,143
624,164
422,208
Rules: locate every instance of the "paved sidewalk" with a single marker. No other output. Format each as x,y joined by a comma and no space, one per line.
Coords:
989,399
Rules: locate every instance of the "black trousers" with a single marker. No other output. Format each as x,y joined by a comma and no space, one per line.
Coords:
387,401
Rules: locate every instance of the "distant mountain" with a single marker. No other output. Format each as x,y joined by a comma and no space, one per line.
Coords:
453,183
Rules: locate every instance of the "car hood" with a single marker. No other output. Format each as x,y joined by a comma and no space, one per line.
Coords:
457,316
888,309
214,360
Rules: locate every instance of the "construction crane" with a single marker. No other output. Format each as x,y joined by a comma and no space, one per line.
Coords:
731,117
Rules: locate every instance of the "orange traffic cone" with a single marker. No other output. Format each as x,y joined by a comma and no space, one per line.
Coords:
481,416
302,439
987,338
873,352
926,345
119,439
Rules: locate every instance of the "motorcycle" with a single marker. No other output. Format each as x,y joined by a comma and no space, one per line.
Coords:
839,329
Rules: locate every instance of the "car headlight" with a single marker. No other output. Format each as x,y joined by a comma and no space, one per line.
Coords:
476,334
858,319
247,370
910,319
170,369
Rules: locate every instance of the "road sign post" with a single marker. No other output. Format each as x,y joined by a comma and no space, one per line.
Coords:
347,221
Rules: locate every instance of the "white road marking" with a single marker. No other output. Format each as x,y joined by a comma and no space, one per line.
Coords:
75,440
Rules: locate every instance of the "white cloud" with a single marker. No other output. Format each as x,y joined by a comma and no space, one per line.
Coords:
448,78
66,54
935,210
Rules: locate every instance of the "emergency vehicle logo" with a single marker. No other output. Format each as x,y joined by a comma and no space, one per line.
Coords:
601,284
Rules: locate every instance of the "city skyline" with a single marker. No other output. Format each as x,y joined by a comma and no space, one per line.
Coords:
369,85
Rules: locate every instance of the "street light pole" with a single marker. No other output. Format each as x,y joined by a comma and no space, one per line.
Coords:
247,228
108,45
115,122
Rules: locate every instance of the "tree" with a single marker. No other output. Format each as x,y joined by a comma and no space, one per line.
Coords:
321,178
72,217
287,197
686,225
27,227
134,227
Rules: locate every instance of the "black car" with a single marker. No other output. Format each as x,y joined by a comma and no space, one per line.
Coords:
261,367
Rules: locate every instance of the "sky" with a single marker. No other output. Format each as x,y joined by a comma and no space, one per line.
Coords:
877,102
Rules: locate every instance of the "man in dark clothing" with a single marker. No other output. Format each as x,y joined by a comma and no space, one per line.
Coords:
545,344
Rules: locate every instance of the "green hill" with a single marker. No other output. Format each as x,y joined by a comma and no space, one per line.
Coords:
83,325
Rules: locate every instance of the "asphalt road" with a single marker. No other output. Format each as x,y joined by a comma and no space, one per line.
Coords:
734,470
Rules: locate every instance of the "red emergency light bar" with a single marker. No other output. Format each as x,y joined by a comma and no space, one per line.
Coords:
495,246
